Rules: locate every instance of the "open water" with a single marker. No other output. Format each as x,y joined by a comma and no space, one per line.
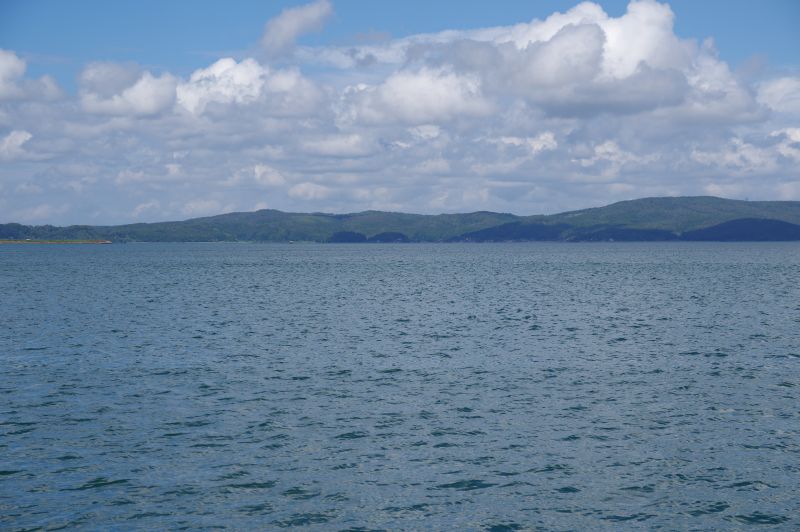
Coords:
498,387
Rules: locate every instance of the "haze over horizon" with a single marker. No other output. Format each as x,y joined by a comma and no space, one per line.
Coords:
112,114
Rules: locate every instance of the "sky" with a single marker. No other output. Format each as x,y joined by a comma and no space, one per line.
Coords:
118,112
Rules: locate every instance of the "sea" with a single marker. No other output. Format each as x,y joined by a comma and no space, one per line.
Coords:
524,386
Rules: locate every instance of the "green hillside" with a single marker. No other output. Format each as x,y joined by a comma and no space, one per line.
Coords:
677,214
641,219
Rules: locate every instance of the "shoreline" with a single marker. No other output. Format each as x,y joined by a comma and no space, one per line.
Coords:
55,242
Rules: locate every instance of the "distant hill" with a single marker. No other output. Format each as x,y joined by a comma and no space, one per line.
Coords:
647,219
746,229
679,214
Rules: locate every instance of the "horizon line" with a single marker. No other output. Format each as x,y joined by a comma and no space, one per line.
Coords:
322,213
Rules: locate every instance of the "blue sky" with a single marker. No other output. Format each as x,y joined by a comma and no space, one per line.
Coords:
59,37
113,111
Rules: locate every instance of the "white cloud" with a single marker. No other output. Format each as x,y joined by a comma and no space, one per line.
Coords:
267,176
309,191
259,174
289,93
127,175
789,191
281,32
569,111
152,174
725,190
514,153
715,92
280,92
147,207
351,145
41,213
425,131
380,195
11,145
173,169
781,94
738,157
581,62
424,96
118,90
12,69
14,86
225,81
541,142
573,55
105,79
643,35
203,207
789,142
80,184
609,151
434,166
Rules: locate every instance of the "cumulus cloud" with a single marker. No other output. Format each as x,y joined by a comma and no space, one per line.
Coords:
267,176
150,174
13,84
573,55
544,141
112,89
281,32
202,207
11,145
583,62
642,35
261,175
757,156
572,110
39,213
289,93
146,208
781,94
514,153
226,81
106,79
11,69
423,96
608,159
309,191
788,142
352,145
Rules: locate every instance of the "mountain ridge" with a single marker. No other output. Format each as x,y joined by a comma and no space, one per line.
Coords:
646,219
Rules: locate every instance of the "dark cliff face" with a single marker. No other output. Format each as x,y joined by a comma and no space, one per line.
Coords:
746,230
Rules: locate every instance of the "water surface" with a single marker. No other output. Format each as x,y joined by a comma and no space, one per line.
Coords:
519,386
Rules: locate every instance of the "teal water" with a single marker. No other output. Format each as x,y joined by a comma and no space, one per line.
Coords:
497,387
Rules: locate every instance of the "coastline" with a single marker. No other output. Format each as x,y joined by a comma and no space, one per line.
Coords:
55,242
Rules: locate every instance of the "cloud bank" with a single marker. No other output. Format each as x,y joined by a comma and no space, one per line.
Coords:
575,110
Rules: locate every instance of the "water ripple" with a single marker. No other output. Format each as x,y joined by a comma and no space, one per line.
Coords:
479,387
